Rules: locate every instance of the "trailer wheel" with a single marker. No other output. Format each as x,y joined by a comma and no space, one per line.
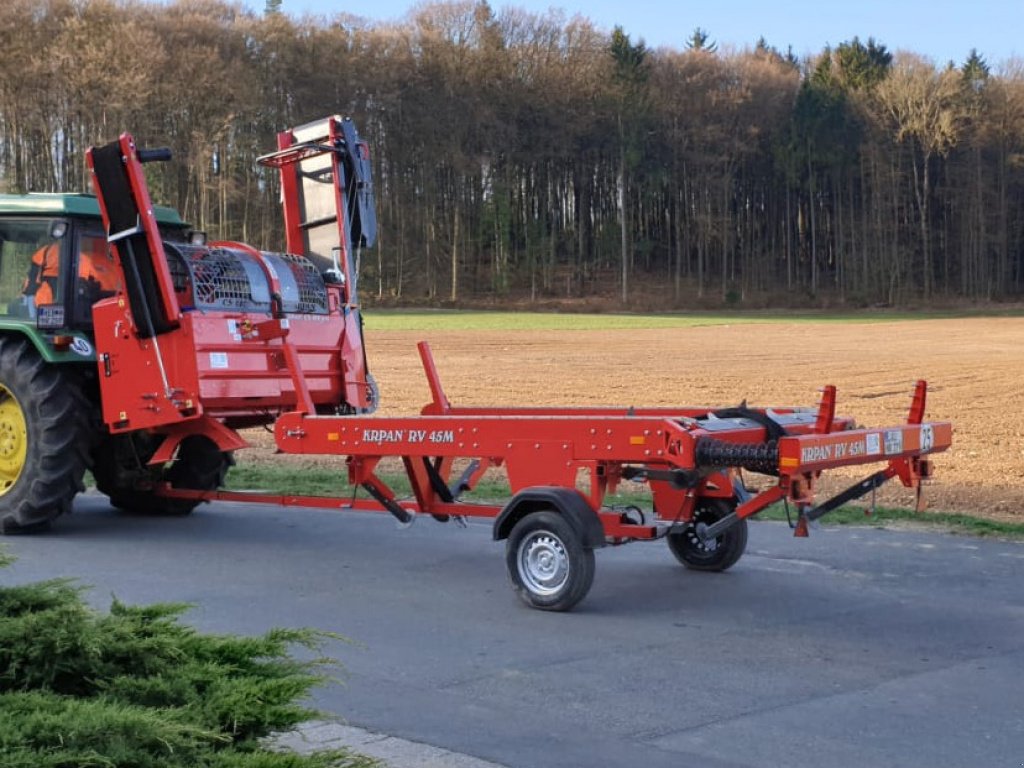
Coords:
549,565
720,553
44,437
122,473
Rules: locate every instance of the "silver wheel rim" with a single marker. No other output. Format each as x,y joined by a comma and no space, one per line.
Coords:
543,563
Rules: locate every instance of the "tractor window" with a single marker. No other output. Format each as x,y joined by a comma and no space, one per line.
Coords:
97,275
30,275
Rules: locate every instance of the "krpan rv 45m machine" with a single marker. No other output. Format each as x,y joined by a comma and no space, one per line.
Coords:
134,348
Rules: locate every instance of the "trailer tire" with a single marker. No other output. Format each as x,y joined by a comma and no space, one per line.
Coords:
550,566
717,555
45,437
199,465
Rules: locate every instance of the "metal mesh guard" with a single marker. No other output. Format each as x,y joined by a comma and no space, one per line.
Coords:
220,279
308,295
227,279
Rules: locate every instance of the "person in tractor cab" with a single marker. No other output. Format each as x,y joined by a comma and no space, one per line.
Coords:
41,282
97,275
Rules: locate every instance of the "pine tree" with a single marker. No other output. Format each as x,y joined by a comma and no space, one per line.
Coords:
631,76
975,71
701,41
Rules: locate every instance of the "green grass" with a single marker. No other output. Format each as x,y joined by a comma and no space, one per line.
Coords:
319,481
287,479
456,320
322,481
881,516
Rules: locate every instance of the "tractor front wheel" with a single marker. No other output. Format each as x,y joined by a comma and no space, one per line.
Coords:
716,554
44,437
122,472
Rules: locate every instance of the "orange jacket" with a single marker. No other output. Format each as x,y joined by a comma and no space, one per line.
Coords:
97,264
42,275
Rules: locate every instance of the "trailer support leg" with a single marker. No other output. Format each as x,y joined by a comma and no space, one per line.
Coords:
388,503
867,485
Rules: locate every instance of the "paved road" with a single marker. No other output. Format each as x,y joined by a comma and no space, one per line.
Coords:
856,647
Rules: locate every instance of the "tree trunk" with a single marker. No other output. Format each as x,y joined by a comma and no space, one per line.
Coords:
624,240
455,253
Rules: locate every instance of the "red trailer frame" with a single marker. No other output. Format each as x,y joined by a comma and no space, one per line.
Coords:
561,463
691,459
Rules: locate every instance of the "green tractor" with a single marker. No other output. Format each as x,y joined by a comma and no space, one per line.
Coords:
54,265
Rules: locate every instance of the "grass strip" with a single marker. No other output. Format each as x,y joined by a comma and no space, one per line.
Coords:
468,320
949,521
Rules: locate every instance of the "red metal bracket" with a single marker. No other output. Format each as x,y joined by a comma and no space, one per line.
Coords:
917,405
295,153
224,437
826,410
439,404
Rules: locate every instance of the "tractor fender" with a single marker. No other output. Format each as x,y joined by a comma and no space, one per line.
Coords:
80,350
567,502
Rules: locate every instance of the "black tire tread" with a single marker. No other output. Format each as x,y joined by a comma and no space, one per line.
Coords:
581,561
732,543
199,465
58,418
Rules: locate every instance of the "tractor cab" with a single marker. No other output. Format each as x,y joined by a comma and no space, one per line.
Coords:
54,259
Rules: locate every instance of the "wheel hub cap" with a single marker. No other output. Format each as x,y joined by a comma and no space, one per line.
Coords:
13,439
695,535
543,563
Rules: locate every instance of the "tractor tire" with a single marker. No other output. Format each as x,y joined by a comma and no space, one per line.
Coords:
548,563
717,555
122,473
45,437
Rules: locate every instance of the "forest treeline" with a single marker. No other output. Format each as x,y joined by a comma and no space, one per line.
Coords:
523,156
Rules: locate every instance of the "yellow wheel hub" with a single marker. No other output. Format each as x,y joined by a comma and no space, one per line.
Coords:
13,439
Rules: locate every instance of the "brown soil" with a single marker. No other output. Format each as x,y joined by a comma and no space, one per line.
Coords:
974,368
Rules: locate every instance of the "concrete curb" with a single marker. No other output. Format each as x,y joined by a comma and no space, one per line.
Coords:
390,750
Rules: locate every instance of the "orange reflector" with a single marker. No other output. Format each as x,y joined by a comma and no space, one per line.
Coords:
787,461
333,437
637,440
61,343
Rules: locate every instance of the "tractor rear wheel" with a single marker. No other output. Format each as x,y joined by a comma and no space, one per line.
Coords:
122,472
45,436
719,553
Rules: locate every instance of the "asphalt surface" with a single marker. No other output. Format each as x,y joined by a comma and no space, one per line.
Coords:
855,647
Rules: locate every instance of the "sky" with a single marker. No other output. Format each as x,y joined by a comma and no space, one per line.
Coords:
940,29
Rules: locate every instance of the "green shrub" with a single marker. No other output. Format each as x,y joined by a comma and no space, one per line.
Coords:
137,688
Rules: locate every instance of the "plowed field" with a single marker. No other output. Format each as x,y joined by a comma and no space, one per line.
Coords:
975,368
